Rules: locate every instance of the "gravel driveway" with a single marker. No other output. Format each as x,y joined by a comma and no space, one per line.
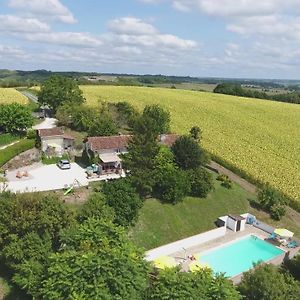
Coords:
45,178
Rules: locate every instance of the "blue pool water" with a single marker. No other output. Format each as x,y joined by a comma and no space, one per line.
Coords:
239,256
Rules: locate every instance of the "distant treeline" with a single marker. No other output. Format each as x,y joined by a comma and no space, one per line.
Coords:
237,90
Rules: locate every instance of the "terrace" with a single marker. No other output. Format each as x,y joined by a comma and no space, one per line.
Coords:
196,247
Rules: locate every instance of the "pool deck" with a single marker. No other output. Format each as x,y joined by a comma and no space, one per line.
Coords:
182,256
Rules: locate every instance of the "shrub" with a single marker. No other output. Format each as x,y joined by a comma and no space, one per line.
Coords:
222,177
10,152
227,183
272,201
201,182
277,211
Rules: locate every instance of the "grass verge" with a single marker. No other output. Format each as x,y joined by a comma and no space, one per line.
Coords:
10,152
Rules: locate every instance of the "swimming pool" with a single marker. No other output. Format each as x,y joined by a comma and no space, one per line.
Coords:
239,256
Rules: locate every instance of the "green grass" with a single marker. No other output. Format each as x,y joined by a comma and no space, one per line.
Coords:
12,151
259,137
8,138
159,223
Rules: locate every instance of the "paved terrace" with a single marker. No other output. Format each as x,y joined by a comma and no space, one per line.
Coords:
181,256
49,177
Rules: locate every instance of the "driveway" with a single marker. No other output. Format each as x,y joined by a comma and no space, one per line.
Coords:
45,178
46,124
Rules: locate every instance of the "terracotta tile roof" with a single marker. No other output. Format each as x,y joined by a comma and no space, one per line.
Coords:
121,141
108,142
168,139
50,132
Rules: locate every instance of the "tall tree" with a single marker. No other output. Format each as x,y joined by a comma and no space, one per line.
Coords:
144,147
15,117
96,262
188,154
266,282
58,90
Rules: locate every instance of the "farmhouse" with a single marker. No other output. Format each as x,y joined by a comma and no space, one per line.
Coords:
108,149
54,141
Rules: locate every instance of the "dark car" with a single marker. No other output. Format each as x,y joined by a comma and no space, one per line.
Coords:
64,164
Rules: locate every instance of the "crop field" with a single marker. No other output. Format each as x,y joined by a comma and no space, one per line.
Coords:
257,136
10,95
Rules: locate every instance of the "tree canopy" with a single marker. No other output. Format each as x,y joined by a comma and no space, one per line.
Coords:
57,90
15,118
188,154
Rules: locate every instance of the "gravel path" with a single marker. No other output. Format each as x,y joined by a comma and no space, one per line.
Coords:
46,124
232,176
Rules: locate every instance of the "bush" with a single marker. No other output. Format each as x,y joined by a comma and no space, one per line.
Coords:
271,201
31,134
222,177
227,183
277,211
201,182
8,153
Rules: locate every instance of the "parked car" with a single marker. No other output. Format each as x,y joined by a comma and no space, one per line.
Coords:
64,164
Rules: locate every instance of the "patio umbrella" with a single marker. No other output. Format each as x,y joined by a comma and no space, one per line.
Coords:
196,266
283,232
164,262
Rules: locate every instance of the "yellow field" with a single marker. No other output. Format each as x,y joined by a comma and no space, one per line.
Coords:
10,95
259,137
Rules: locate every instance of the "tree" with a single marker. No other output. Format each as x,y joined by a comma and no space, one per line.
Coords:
96,262
196,133
97,208
160,118
272,201
293,266
58,90
122,197
15,118
102,125
171,183
188,154
176,285
201,182
142,149
266,282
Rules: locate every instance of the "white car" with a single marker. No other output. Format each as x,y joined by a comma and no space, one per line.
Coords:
64,164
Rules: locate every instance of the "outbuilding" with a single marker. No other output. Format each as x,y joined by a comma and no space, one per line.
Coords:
236,223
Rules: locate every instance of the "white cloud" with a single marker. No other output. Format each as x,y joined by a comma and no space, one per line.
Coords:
78,39
15,24
131,26
41,8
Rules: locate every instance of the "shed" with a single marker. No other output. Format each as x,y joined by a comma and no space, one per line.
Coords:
236,222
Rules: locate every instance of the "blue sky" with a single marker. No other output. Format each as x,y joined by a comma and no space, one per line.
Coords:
219,38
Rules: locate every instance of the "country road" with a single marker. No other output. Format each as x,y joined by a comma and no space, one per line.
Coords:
30,96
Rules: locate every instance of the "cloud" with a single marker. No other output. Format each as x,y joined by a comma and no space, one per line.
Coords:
15,24
44,8
132,26
78,39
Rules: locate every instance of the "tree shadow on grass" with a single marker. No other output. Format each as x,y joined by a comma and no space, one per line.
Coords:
14,292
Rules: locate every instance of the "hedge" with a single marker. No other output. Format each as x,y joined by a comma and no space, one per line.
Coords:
10,152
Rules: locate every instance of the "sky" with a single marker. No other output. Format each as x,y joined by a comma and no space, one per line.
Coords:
205,38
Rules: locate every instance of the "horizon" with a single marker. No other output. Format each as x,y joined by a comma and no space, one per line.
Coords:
196,38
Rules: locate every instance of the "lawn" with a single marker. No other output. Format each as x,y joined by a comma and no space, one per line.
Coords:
259,137
160,224
7,138
10,95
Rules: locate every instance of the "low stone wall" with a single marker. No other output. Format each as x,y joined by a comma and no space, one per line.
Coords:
185,243
24,159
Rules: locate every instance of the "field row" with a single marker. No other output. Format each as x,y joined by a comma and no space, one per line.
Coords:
9,95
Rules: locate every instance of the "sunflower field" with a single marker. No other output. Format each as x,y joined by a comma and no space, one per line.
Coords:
10,95
259,137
